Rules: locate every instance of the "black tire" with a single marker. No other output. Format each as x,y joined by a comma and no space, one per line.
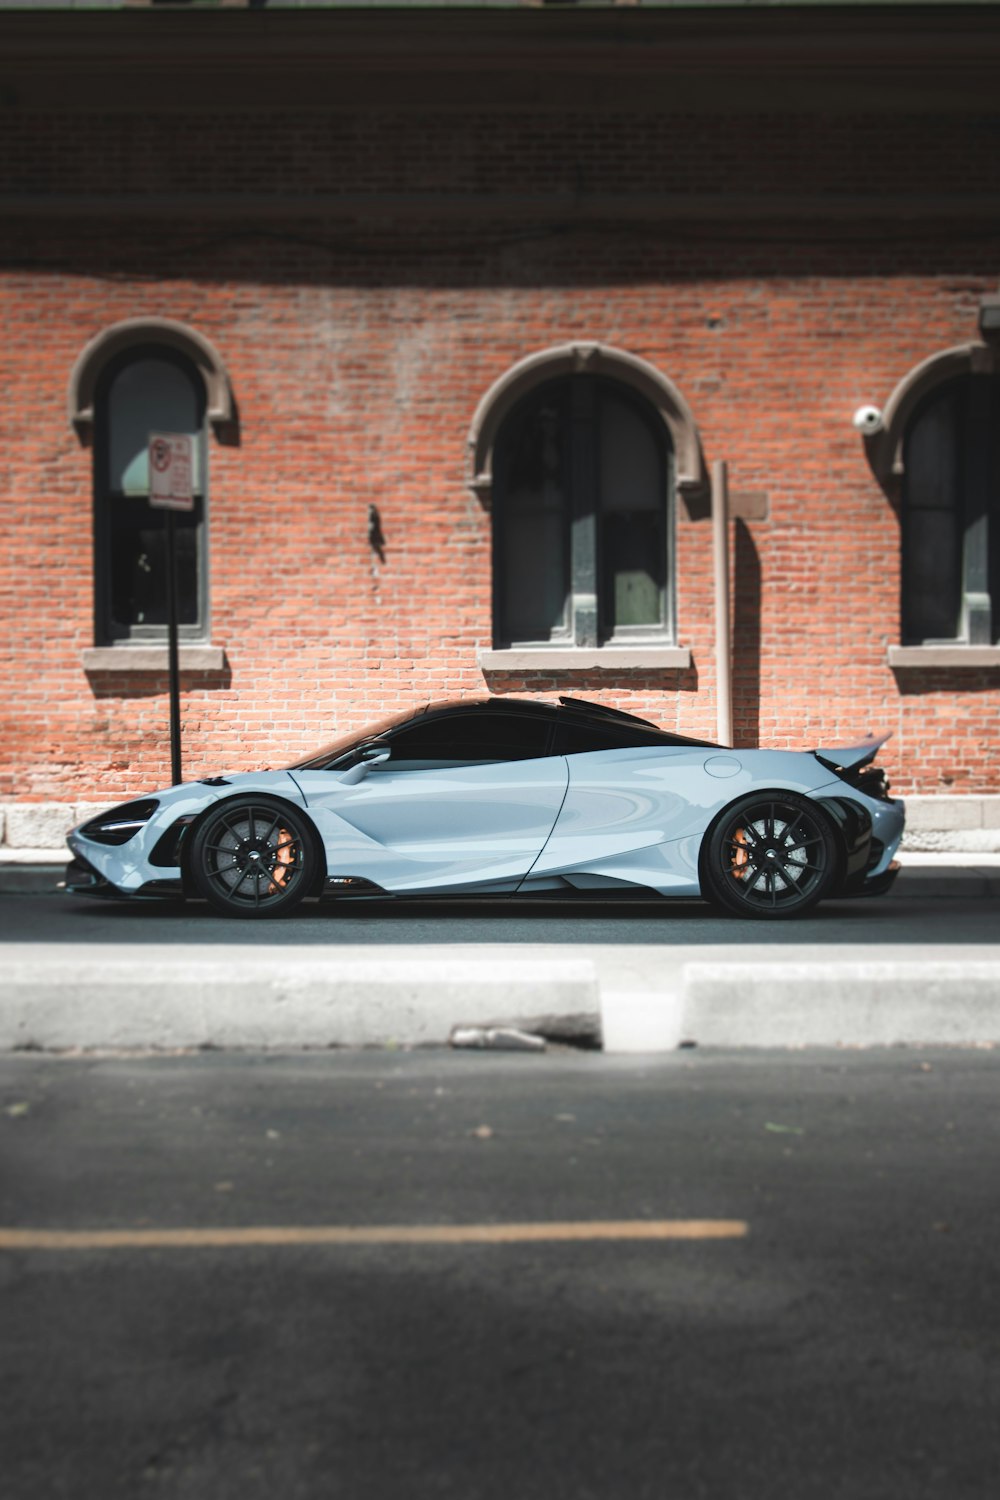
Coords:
770,855
253,857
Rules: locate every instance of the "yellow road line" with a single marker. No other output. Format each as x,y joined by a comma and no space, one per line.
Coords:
376,1234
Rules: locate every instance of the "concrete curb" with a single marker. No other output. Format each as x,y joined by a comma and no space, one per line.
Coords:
134,996
636,998
798,1002
862,1003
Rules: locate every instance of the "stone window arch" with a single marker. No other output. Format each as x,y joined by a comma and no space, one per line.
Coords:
220,408
580,452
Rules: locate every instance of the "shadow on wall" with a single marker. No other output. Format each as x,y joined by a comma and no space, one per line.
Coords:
156,683
921,682
746,638
580,684
488,253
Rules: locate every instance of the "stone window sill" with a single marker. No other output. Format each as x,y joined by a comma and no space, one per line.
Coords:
944,656
574,659
153,658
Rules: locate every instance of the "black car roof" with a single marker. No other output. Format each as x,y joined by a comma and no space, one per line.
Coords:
576,710
568,711
575,706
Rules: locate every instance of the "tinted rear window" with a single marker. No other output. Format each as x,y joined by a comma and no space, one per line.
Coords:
577,739
482,736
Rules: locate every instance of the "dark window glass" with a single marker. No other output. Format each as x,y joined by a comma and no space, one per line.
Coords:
533,542
484,736
633,514
148,390
933,523
582,475
578,739
951,515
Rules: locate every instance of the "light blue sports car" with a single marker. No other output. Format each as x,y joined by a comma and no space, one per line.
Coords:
507,796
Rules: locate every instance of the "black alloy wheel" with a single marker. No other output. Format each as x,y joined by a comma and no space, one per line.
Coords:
253,857
772,854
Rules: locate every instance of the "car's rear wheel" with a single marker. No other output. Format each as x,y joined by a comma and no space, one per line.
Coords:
253,857
772,854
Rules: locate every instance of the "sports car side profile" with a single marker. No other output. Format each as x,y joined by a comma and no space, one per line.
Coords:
504,796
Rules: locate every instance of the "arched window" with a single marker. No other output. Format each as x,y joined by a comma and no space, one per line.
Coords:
140,376
936,454
147,388
951,514
580,451
582,470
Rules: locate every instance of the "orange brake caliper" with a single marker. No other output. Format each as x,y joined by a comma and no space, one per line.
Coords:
741,858
280,872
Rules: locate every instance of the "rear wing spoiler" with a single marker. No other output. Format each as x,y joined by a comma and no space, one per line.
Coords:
850,757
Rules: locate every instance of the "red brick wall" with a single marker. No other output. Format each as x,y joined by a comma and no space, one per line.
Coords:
357,357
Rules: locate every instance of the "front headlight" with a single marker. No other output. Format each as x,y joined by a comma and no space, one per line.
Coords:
120,824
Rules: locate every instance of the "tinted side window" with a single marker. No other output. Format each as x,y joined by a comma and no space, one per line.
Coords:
577,739
482,737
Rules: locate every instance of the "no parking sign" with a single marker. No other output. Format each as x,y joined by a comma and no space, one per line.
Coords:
170,471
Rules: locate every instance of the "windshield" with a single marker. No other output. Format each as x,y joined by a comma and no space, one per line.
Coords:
318,760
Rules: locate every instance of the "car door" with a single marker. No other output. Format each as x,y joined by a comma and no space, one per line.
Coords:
634,810
465,801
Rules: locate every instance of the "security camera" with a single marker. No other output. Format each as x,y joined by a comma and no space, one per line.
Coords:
868,420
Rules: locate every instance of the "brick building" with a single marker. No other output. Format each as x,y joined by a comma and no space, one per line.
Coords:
478,316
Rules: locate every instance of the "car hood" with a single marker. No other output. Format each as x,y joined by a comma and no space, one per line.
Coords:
849,757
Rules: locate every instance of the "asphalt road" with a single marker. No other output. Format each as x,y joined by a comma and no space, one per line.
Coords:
847,1347
896,918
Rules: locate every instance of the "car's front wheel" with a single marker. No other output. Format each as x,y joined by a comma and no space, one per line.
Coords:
772,854
253,857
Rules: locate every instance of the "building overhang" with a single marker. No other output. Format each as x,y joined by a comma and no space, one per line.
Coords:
671,59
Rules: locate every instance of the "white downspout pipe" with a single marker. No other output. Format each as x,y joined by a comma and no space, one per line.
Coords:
720,559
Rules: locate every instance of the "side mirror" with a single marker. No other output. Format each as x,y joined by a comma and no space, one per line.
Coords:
371,755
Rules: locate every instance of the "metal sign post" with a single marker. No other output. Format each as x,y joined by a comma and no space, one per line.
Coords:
171,489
